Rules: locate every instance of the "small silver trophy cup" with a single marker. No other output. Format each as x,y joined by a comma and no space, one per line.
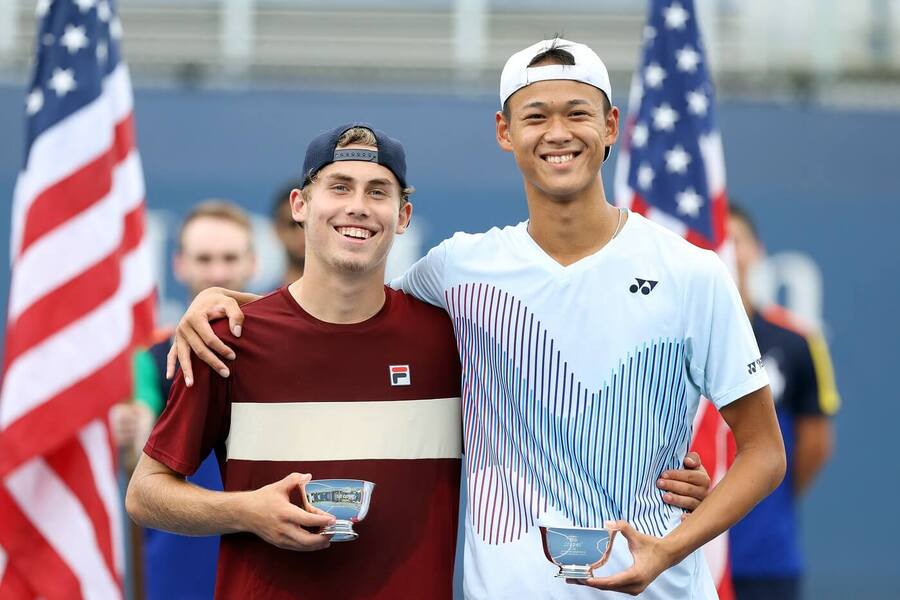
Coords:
346,499
577,551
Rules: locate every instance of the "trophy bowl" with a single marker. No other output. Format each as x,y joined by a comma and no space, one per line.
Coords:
577,551
346,499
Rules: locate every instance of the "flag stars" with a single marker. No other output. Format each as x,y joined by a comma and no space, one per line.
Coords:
42,7
34,102
62,82
640,135
74,39
664,117
103,11
85,5
654,75
689,202
645,176
687,59
102,51
697,103
677,160
649,32
115,28
675,16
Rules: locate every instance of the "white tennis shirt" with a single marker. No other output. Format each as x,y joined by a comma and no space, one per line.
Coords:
580,385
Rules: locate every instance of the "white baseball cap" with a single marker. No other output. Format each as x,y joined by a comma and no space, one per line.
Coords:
588,68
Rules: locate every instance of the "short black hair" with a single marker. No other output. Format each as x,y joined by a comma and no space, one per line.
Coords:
556,54
738,212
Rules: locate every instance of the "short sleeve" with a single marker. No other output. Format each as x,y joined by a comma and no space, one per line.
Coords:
723,356
425,279
194,421
817,393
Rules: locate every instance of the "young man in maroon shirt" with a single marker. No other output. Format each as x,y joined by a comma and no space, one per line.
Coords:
312,394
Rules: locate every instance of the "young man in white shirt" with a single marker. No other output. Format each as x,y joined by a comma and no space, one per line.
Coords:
586,337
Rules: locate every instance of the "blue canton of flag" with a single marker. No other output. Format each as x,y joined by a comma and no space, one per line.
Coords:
673,157
78,47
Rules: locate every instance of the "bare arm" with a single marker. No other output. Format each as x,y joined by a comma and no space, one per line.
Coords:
757,470
159,497
813,444
194,332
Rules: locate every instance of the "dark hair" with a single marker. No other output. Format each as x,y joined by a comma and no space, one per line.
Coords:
555,55
738,212
283,196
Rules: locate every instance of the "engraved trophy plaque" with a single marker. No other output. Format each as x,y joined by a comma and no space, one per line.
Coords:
346,499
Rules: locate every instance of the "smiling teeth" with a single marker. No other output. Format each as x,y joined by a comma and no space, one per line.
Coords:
560,159
355,232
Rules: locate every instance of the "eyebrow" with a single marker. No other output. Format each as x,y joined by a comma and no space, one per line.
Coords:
347,179
539,104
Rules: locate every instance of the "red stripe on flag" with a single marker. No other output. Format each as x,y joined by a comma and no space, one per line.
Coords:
72,465
75,298
38,432
13,587
31,556
70,196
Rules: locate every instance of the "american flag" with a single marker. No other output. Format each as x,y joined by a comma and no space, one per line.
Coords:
672,170
81,295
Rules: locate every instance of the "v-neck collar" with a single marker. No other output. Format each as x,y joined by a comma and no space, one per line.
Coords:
582,263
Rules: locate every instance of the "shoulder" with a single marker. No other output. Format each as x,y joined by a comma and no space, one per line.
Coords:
464,242
415,312
272,305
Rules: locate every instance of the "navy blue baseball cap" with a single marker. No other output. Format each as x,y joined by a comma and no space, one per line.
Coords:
323,151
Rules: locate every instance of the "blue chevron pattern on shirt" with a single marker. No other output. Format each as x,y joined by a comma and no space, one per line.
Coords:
538,438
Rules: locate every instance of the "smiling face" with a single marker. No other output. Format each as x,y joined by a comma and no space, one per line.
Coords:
350,214
558,132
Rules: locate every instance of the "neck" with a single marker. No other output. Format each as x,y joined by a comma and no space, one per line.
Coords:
568,229
339,297
292,273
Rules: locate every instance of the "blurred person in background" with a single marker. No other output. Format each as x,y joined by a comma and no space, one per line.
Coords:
215,248
289,233
767,563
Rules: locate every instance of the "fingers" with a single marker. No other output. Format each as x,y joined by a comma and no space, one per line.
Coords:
298,539
235,316
200,325
188,340
183,352
697,477
692,460
171,361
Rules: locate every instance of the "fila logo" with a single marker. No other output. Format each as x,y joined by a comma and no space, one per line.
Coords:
399,374
645,285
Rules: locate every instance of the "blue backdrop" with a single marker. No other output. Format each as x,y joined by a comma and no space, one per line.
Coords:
818,180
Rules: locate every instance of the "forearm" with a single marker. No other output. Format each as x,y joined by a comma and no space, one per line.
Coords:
754,474
167,502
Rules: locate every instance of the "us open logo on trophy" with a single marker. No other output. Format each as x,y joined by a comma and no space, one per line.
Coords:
577,551
346,499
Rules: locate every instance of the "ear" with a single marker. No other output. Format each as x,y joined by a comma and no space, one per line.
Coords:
299,205
611,133
405,217
503,133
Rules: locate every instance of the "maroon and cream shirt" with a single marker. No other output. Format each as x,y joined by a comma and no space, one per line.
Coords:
377,400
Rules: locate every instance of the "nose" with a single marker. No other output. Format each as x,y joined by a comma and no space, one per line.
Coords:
357,205
557,131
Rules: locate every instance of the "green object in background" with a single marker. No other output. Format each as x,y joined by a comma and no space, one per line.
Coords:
146,381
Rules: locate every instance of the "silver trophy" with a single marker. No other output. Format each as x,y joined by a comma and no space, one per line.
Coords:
346,499
577,551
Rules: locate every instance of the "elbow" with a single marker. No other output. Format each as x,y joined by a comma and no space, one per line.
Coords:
133,504
778,466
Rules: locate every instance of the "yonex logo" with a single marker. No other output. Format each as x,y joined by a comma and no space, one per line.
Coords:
645,285
755,366
399,374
